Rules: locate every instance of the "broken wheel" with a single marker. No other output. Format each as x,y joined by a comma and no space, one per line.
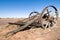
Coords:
49,16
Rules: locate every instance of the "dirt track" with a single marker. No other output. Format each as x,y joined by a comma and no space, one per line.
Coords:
32,34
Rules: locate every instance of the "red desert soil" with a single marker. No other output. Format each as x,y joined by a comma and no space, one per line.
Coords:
32,34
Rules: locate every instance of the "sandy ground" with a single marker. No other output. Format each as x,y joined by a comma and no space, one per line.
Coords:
32,34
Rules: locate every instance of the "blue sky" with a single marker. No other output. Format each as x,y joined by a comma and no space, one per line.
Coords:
22,8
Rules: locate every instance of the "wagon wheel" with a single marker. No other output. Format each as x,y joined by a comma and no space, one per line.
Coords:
32,15
49,17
